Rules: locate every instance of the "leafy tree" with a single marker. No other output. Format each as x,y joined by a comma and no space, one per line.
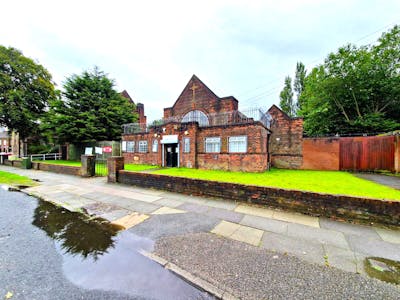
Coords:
286,97
357,89
90,109
25,89
298,83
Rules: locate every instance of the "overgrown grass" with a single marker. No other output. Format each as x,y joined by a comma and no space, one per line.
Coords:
330,182
15,180
61,162
134,167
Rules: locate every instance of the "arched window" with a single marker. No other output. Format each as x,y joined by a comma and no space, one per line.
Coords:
196,116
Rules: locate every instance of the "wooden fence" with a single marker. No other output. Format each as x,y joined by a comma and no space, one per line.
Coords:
367,153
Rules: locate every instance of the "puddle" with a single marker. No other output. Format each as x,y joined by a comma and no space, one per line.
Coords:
383,269
97,256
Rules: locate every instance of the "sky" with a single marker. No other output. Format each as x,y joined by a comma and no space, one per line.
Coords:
152,48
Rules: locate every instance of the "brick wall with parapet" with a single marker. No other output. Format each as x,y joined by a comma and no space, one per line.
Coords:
362,210
286,142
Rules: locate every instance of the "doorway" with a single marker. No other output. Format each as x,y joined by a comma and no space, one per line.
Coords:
171,155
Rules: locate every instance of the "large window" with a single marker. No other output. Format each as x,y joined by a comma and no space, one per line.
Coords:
130,146
238,144
142,147
186,145
155,146
196,116
213,145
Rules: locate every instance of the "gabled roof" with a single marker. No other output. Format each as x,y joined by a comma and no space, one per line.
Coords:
187,86
125,94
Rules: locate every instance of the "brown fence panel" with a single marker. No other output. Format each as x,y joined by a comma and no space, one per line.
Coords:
367,153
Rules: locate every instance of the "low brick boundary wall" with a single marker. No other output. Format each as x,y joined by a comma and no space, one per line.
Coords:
357,209
13,163
69,170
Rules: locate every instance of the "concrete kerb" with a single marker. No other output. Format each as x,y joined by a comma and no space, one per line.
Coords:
190,278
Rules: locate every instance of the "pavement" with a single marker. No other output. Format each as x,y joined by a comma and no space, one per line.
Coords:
388,180
301,240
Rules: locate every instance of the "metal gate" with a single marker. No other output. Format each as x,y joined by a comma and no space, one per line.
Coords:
101,167
367,153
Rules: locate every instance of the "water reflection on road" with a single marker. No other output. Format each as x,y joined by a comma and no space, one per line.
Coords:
97,256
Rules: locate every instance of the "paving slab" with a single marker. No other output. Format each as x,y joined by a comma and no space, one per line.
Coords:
307,250
343,259
248,235
172,225
372,247
391,236
193,207
130,220
265,224
254,210
319,235
184,198
167,211
346,228
134,195
168,202
296,218
142,207
225,214
225,228
115,214
227,205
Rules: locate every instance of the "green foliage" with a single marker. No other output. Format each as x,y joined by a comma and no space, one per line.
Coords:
298,83
357,89
90,109
25,89
330,182
286,97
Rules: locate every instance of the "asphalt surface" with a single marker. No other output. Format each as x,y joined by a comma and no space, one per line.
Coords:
390,181
34,266
225,263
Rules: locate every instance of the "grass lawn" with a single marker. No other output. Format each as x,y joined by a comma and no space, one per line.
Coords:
15,180
134,167
330,182
61,162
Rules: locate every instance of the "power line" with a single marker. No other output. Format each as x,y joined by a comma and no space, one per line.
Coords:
271,91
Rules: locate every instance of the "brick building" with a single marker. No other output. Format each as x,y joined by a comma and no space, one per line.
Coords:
201,130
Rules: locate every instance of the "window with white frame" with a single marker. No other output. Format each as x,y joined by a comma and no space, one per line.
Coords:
130,146
186,145
142,147
238,144
155,146
212,145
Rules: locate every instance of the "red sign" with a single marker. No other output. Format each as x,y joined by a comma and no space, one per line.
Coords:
107,149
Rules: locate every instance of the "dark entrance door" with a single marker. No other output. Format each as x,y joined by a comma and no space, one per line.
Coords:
171,155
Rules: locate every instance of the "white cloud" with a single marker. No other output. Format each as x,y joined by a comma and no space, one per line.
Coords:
151,48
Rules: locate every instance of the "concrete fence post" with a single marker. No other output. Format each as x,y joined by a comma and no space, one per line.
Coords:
114,165
88,165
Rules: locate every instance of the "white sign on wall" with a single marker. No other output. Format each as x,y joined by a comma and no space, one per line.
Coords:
169,139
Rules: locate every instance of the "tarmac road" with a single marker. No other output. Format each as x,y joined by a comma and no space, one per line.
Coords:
35,266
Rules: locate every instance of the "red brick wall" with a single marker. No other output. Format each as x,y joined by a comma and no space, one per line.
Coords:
362,210
204,100
255,160
320,154
286,140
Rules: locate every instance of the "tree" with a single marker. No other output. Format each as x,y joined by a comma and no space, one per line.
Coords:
90,109
298,83
25,90
286,97
356,90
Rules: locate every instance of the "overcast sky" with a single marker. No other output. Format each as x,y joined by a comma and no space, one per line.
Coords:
152,48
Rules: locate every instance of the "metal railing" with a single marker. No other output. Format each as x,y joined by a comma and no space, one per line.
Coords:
47,156
235,117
